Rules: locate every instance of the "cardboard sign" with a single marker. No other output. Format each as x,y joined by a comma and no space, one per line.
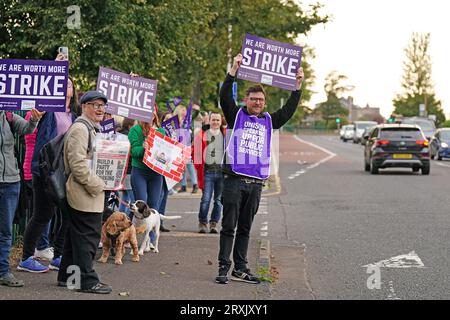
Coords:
130,97
270,62
166,156
110,162
28,84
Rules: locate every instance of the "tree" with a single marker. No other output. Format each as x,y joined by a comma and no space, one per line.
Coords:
334,89
417,84
182,44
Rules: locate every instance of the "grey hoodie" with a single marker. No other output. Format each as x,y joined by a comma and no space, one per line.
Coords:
9,172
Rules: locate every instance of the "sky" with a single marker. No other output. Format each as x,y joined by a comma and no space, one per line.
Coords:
365,41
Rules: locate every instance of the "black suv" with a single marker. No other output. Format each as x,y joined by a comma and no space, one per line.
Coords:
397,145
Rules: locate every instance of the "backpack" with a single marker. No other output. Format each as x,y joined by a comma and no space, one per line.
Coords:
52,169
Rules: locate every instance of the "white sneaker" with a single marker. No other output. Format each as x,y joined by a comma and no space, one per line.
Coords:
46,254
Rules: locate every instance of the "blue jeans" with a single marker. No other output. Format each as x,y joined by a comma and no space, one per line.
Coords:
127,196
9,198
213,182
163,199
44,241
192,173
147,186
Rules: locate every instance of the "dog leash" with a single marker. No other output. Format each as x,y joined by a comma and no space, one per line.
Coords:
126,204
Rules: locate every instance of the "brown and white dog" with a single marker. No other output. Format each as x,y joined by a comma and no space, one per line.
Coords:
119,227
144,215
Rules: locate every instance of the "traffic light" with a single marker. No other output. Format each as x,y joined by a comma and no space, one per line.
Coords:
338,120
391,120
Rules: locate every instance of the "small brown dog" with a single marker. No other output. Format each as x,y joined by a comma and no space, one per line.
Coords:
119,226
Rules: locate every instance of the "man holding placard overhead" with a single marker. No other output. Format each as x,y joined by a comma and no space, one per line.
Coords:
246,167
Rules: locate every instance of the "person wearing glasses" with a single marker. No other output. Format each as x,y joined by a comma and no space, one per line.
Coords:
85,198
207,154
246,167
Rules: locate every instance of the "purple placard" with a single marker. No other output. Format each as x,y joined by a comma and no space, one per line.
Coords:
172,127
28,84
130,97
270,62
108,126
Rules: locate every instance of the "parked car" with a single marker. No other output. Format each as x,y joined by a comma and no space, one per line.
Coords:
440,144
397,145
347,132
360,126
427,125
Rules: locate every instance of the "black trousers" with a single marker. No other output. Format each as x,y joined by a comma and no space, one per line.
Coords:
240,204
43,211
80,246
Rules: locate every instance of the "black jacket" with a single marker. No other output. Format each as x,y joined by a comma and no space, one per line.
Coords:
230,110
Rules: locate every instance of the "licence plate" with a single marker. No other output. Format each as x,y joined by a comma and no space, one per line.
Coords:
402,156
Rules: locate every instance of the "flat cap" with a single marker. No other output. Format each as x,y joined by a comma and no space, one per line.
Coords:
93,95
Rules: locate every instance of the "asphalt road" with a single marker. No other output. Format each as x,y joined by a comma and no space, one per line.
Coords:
333,220
330,224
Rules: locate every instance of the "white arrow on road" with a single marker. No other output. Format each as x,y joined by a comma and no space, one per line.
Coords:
410,260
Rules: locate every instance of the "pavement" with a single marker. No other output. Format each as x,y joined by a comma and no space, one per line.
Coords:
184,269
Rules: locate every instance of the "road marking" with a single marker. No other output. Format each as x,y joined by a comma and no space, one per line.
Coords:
331,155
442,165
264,228
410,260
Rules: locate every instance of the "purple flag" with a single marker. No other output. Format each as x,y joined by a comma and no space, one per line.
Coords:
177,101
130,97
172,126
169,108
108,126
270,62
188,119
184,135
28,84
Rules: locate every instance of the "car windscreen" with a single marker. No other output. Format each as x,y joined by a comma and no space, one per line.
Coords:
445,135
401,134
364,125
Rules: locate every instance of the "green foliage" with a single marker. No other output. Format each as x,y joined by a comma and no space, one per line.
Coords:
182,44
417,84
334,88
265,275
332,108
445,124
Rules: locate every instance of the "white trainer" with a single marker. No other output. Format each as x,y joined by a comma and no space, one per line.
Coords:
46,254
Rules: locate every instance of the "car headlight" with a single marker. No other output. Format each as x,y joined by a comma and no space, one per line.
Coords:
444,145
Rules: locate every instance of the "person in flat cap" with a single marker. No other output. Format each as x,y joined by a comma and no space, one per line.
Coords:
85,198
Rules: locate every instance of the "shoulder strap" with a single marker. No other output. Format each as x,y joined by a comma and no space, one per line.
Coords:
90,127
10,119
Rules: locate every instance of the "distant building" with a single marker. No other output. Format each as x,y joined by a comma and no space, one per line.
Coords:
356,113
